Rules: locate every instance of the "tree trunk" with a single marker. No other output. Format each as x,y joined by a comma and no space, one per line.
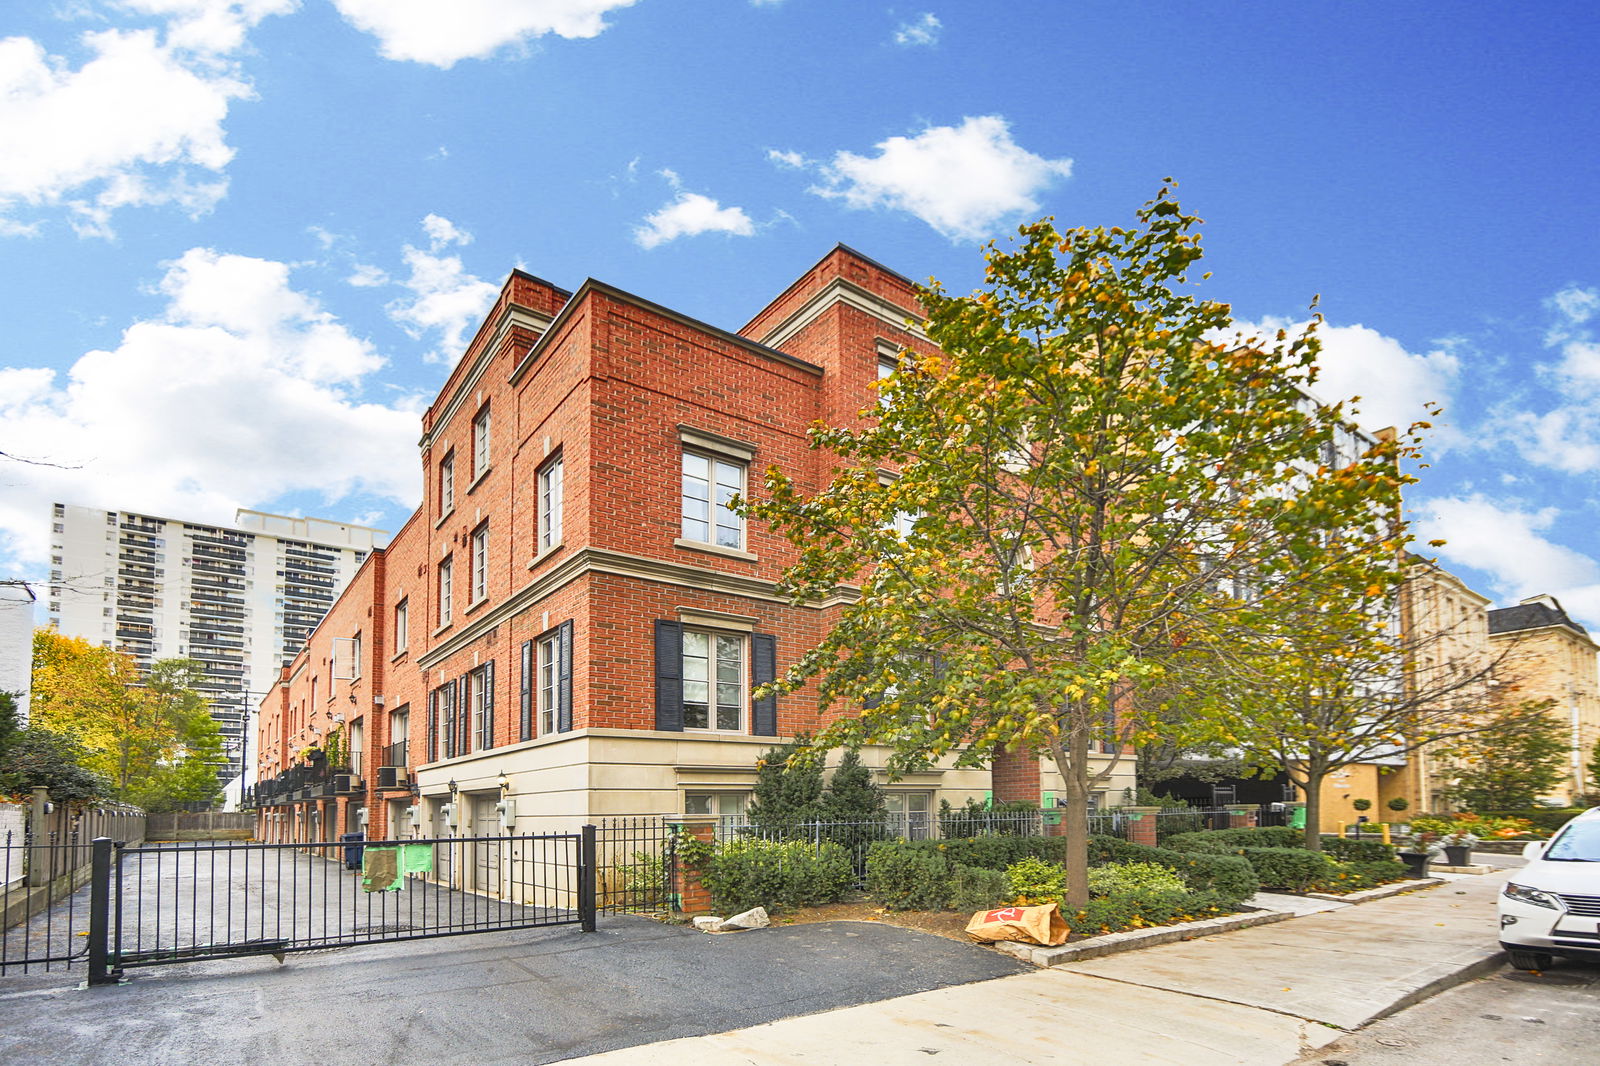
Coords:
1313,790
1072,759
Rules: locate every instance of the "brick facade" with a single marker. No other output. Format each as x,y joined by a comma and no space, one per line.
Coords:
616,390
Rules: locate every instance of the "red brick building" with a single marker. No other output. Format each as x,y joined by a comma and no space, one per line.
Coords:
572,620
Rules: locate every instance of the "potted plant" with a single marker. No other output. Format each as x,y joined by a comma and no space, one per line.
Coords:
1457,843
1416,861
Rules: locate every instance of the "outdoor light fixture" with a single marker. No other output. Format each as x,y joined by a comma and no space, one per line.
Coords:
453,787
504,783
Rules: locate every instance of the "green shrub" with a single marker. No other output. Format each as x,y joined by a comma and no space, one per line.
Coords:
1347,850
1262,836
1399,803
1290,869
975,889
979,818
775,874
1034,881
1355,876
1137,910
999,851
1230,876
905,875
1121,878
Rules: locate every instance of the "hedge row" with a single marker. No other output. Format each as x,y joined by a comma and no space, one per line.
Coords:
1230,876
1281,862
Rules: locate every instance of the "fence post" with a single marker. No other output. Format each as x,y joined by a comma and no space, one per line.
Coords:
100,914
1141,823
587,880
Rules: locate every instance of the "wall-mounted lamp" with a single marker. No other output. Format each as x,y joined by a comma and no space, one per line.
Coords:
504,782
352,697
453,787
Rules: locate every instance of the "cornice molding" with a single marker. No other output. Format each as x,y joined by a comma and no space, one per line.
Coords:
840,290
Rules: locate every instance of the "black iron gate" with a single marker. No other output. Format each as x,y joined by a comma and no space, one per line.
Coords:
166,903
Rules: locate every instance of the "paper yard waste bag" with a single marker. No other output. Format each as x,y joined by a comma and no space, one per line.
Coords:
1031,925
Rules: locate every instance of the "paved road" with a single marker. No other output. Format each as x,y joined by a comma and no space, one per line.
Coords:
531,996
1510,1016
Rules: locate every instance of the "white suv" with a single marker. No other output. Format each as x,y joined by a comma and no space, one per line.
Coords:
1551,906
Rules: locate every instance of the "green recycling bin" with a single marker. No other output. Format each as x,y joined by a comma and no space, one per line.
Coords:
1297,818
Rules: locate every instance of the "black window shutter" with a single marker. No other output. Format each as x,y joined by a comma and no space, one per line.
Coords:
564,675
488,705
462,736
764,670
525,696
433,725
669,675
447,717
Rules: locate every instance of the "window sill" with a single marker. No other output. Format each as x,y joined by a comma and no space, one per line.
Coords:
716,549
544,553
479,479
442,629
401,654
442,519
474,605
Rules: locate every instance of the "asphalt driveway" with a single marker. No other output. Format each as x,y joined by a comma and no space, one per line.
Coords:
526,996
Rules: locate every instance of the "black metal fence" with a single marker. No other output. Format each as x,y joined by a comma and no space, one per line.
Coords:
165,903
635,862
41,916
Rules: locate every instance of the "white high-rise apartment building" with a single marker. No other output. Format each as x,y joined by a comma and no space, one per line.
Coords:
240,600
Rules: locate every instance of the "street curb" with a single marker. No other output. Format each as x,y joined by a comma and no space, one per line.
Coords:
1134,939
1381,892
1476,968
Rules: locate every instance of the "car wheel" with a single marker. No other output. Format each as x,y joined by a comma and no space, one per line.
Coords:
1529,960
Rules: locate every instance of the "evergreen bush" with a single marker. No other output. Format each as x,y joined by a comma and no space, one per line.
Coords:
1230,876
1290,869
775,874
975,889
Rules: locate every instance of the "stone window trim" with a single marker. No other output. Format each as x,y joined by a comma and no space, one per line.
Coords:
716,444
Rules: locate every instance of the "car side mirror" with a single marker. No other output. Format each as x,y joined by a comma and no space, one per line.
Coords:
1533,849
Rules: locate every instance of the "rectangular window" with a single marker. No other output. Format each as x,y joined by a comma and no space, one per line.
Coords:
402,626
887,365
480,443
447,483
478,726
480,563
550,478
726,807
909,813
549,683
708,485
713,680
446,589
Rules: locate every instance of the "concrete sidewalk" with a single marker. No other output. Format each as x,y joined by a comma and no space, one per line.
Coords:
1256,997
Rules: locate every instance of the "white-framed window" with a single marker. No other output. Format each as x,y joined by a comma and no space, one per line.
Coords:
550,488
478,725
729,806
549,690
446,588
708,484
910,813
887,365
447,482
480,563
713,680
480,442
402,626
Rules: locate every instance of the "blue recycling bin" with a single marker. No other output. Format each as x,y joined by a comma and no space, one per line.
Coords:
352,849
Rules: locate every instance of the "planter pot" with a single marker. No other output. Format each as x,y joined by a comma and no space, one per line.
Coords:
1416,862
1458,854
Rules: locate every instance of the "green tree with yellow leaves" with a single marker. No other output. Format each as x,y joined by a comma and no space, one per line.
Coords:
151,735
1048,531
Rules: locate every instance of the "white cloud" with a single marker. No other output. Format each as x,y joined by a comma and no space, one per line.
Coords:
688,215
241,390
1505,541
442,232
791,160
443,34
1575,304
923,30
140,123
367,276
964,180
444,299
1395,385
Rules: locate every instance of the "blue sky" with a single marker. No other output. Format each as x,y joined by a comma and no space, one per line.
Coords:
240,241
